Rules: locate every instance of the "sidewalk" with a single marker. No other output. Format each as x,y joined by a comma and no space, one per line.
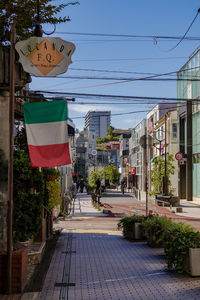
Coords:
96,263
127,204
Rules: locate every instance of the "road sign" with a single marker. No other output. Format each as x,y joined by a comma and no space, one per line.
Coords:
133,170
179,156
94,152
45,57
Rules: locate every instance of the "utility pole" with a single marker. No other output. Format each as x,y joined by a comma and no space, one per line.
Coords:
189,183
165,177
10,160
146,171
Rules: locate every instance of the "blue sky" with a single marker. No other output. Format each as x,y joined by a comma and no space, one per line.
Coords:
102,54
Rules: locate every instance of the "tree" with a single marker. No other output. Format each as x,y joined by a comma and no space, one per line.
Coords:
28,194
110,131
158,172
24,13
111,173
28,197
94,175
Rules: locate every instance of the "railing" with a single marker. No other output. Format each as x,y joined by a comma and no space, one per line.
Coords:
96,198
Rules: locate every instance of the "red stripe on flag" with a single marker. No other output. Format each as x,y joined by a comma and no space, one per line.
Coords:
49,155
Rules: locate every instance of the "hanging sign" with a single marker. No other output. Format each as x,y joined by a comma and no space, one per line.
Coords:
45,57
179,156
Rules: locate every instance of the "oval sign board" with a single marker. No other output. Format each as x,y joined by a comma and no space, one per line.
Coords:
94,152
45,57
179,155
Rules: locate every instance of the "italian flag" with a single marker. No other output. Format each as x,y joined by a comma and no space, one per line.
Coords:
47,133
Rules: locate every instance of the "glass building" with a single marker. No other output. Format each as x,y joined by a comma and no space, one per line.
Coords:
188,87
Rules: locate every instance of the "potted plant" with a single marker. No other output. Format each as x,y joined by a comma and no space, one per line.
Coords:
131,227
182,248
153,227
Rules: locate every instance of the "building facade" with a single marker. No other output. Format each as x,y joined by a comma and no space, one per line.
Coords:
85,143
189,123
137,159
98,122
166,133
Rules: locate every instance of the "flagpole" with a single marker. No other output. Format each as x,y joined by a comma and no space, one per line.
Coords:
10,160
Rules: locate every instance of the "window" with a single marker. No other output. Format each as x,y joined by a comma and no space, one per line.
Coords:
174,130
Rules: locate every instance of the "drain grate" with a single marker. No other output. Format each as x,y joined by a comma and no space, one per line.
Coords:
65,284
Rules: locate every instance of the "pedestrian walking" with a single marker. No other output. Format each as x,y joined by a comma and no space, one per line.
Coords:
98,185
123,184
81,185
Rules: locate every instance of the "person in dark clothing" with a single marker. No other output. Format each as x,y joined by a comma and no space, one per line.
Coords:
123,185
98,185
77,185
81,185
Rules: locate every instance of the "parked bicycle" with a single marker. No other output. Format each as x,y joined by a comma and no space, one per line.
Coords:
70,197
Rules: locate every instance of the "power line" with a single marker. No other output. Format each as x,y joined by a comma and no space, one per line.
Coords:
87,95
108,71
130,35
133,79
128,79
184,36
127,113
127,59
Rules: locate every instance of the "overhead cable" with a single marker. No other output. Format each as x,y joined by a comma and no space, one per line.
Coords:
130,35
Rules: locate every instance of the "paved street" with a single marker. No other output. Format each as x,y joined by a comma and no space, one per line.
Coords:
92,261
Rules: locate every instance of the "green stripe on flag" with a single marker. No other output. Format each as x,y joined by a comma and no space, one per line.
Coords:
45,112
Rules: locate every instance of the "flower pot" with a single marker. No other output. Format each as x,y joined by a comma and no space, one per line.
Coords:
19,269
193,261
135,233
138,231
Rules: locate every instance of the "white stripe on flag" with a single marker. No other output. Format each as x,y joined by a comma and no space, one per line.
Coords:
47,133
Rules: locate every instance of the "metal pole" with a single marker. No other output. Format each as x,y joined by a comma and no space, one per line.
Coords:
10,160
146,179
165,179
160,165
189,183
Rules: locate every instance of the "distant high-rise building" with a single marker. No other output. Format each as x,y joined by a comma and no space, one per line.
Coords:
98,121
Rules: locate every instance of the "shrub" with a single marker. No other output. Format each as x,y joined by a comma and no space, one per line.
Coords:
54,199
127,225
28,198
178,238
154,227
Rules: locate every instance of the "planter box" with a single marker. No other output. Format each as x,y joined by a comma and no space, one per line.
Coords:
19,270
136,233
193,262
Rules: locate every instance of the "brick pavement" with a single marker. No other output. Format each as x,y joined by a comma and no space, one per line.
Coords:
126,205
101,265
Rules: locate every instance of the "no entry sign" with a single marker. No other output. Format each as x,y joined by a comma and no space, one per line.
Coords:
179,156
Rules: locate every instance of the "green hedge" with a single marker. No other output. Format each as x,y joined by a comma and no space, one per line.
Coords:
176,238
127,225
28,198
